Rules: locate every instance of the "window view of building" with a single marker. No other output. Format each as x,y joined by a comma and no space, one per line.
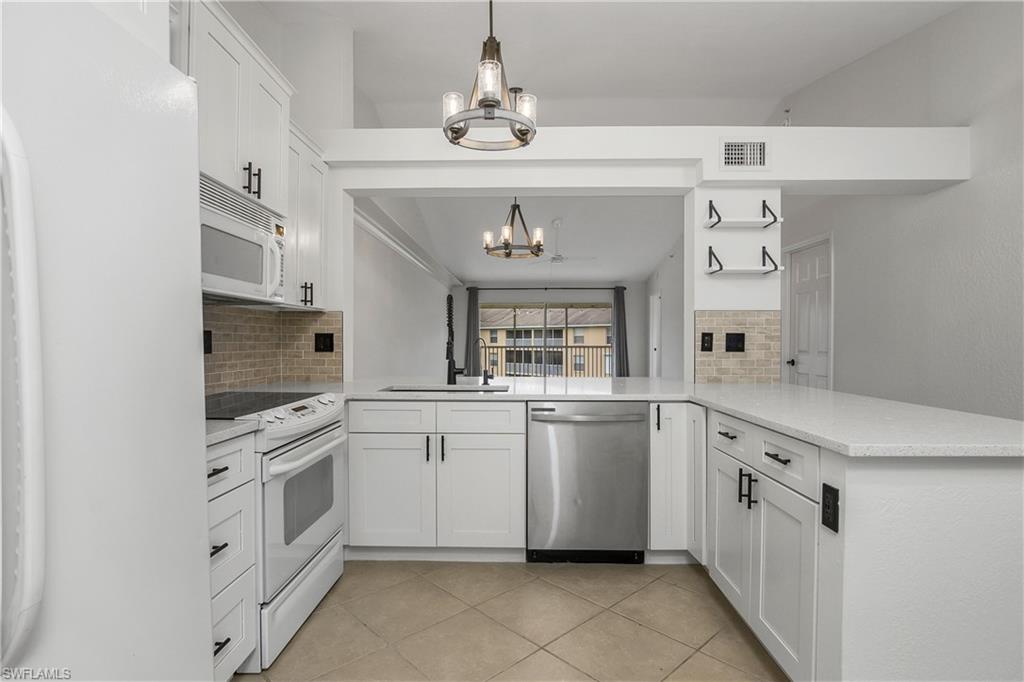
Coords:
540,339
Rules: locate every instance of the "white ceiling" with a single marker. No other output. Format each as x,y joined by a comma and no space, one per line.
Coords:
611,63
603,239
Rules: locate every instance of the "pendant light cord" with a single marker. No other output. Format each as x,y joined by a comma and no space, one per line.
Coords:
490,16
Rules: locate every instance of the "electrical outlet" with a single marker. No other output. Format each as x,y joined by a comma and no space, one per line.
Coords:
735,342
707,342
830,507
207,341
323,342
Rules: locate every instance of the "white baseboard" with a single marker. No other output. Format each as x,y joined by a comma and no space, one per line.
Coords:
661,556
434,554
510,555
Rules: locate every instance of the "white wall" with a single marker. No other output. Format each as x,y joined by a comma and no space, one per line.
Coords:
636,311
928,289
667,280
398,322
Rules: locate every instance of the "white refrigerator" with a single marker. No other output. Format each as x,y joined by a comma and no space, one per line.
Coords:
105,557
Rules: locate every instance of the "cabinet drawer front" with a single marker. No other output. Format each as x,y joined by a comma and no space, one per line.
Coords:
791,462
481,417
234,625
232,536
730,435
392,417
229,465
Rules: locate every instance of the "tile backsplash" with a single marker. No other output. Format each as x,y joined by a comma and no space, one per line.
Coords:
758,363
254,346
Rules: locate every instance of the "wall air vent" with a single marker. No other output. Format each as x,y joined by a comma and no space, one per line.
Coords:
215,196
745,154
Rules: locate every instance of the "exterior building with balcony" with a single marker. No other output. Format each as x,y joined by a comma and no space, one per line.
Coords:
548,340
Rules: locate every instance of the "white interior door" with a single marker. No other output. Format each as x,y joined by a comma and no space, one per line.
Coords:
654,315
810,317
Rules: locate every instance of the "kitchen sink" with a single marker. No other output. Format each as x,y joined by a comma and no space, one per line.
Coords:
443,388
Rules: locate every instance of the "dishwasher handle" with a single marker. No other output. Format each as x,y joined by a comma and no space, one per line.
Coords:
588,417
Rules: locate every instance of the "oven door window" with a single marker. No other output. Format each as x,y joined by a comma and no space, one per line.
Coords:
308,495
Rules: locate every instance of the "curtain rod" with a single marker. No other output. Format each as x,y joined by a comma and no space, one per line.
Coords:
545,288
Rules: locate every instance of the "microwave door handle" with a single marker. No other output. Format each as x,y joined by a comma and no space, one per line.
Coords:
273,267
277,469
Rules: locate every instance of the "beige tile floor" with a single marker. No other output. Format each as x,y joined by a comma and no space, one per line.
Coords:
463,621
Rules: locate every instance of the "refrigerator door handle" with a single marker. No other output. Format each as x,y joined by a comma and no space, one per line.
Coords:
17,621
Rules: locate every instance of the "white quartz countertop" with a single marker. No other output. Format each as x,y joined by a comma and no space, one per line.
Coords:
220,430
853,425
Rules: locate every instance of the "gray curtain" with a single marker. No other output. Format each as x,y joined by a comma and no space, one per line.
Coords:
619,332
472,331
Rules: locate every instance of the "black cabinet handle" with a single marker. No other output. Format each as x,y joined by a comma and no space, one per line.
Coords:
791,362
428,448
658,420
305,293
248,178
442,448
218,549
258,174
739,487
778,458
726,434
311,293
219,646
750,491
216,471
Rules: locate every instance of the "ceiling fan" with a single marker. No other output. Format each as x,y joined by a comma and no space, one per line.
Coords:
555,256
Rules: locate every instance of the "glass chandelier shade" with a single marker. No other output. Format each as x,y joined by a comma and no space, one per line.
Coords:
491,99
506,246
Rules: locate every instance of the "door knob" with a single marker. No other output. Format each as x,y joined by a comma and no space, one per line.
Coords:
791,362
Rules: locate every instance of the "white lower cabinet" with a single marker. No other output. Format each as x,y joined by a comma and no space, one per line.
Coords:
392,489
429,489
762,554
481,491
675,484
231,511
729,529
783,557
234,612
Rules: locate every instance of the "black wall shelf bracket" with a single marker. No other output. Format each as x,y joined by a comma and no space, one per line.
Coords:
765,257
712,260
766,210
713,214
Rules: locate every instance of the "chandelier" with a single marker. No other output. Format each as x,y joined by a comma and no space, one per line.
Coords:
506,248
491,99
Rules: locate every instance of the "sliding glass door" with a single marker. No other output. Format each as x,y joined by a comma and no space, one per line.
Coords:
547,339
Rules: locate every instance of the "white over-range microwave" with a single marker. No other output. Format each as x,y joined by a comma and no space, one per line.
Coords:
242,246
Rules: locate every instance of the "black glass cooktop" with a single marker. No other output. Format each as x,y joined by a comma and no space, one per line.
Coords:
234,404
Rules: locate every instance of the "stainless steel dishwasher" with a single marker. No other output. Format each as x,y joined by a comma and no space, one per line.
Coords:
587,465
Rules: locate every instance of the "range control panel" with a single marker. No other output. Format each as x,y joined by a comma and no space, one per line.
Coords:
299,411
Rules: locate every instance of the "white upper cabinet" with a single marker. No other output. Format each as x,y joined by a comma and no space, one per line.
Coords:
244,105
220,66
304,236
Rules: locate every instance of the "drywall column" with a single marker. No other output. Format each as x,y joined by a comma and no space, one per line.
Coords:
736,248
340,267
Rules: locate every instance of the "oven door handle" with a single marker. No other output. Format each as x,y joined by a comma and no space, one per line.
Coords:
275,469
